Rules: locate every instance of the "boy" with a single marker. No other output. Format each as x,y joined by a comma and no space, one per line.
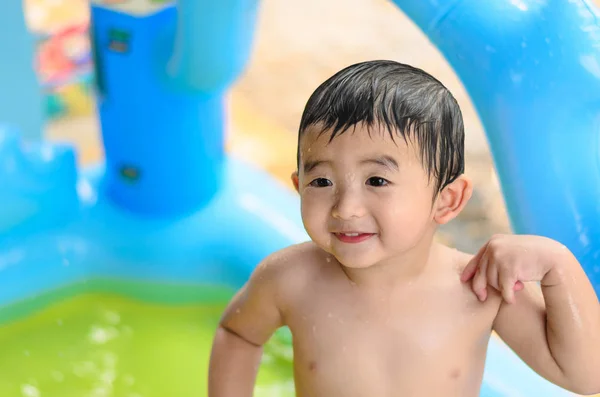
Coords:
375,307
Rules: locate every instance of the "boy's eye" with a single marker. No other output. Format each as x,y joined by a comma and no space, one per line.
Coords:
377,181
321,182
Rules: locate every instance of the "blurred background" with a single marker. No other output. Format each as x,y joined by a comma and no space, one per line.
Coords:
299,43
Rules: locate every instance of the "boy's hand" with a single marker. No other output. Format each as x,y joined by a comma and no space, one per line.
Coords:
505,262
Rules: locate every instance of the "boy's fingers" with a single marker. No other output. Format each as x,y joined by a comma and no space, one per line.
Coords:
508,294
492,275
519,286
509,285
471,268
480,279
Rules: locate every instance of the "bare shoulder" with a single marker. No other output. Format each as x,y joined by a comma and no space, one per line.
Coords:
456,261
288,270
291,261
260,306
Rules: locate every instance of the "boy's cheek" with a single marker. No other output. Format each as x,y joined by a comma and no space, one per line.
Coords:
406,208
312,214
314,197
404,220
316,228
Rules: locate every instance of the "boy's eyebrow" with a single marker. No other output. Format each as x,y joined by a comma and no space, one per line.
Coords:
312,164
386,161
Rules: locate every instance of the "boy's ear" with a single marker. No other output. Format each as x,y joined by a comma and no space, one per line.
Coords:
452,199
295,180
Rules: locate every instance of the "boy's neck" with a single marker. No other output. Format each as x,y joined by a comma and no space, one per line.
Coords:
397,270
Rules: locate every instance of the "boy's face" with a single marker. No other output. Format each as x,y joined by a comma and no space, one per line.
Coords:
365,197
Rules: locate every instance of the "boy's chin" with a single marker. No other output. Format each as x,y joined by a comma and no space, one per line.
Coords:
349,258
357,265
355,261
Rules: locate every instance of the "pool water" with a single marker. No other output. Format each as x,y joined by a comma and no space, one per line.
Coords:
101,344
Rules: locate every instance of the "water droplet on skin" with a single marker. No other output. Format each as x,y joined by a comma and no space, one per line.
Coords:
329,315
314,329
238,311
328,259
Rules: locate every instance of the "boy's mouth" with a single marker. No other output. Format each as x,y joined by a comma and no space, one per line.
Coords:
353,237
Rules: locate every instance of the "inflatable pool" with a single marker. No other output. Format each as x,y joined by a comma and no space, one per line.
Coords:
112,278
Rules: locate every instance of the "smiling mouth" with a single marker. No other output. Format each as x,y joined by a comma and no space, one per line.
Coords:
353,237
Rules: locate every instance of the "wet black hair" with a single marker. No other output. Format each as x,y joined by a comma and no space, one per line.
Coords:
406,100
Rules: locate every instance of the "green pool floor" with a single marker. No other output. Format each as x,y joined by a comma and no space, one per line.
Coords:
109,345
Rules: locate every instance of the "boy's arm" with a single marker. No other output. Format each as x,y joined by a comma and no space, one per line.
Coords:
557,332
249,321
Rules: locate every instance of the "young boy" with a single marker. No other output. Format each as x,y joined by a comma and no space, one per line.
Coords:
375,307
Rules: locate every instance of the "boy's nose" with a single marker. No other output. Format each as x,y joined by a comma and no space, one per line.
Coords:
348,205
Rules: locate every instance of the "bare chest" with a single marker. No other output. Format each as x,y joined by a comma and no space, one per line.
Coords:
390,347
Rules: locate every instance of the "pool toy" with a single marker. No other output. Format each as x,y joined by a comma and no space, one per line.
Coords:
176,189
170,208
21,96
